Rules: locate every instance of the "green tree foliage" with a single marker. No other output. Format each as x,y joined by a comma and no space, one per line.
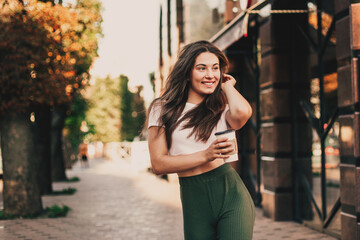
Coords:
115,113
75,119
139,111
152,80
132,111
127,124
104,109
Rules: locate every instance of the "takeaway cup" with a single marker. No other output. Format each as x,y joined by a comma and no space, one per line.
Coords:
230,135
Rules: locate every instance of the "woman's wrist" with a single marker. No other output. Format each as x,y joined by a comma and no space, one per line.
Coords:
228,91
205,156
228,87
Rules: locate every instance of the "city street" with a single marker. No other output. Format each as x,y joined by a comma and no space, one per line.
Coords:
113,201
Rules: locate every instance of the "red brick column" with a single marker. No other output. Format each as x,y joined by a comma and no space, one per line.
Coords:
284,62
348,53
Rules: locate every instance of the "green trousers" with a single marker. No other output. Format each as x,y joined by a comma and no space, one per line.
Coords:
216,205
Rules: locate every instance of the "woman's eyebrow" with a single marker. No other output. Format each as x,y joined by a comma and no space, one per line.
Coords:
202,64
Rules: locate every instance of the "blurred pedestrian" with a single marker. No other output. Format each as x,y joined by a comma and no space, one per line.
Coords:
199,99
83,154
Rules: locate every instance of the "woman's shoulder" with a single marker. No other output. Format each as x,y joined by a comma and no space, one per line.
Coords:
154,113
156,104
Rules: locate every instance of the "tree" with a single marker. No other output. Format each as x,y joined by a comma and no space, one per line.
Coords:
152,80
43,49
23,82
132,110
104,110
126,110
83,51
75,120
42,134
139,112
115,113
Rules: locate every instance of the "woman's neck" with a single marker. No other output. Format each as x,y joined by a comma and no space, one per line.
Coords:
195,100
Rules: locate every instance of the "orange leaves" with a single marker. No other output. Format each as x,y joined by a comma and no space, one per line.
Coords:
57,38
68,90
70,74
46,52
72,61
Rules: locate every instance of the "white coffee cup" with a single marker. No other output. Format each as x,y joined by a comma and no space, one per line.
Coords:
230,135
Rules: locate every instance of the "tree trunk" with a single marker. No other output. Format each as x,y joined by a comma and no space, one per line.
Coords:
20,163
57,155
43,133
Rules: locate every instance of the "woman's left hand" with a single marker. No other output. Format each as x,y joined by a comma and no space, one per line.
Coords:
227,80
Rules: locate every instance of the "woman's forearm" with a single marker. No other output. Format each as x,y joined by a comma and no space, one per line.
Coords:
166,164
239,108
163,163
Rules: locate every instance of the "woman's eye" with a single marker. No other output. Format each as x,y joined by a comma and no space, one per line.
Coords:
215,68
202,69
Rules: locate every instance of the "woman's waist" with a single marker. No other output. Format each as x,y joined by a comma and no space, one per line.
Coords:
202,168
213,175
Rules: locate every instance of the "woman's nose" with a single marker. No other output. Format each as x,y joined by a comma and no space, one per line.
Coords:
209,74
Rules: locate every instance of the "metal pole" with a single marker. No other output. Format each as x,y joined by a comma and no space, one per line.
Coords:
322,108
294,126
258,119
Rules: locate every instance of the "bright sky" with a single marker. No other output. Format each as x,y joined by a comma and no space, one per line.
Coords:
130,43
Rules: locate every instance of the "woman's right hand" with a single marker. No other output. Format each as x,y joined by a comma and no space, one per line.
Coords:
219,149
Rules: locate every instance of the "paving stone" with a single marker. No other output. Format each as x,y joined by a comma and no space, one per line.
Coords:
114,202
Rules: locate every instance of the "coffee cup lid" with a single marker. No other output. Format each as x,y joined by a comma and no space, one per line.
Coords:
223,132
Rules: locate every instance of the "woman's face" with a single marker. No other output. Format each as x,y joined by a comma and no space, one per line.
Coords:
205,76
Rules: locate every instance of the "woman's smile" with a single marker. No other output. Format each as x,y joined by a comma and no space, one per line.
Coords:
208,83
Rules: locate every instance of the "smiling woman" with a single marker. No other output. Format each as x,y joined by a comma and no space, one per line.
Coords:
200,99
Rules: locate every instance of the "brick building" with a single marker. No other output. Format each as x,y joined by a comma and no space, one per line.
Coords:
297,64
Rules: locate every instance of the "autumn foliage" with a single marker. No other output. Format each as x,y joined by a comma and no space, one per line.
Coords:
46,52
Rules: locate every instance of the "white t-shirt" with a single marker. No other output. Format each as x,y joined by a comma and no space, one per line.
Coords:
181,143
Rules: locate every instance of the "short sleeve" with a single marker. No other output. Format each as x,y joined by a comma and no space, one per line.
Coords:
223,117
154,116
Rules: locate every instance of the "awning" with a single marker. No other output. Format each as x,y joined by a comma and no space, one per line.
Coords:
235,29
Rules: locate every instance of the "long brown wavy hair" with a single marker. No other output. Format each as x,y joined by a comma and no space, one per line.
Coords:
206,115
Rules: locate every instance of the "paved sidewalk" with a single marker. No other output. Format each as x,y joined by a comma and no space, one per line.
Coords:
114,202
